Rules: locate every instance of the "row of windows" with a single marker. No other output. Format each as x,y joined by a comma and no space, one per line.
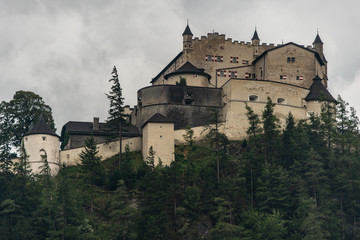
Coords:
212,58
255,98
222,73
284,77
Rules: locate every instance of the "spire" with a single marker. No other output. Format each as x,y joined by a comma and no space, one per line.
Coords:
317,39
255,37
187,30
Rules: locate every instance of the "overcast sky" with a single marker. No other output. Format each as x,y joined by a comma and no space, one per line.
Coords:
65,50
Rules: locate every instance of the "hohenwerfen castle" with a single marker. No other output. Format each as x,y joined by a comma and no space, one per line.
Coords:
210,72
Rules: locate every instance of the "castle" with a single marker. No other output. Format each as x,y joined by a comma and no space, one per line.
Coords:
211,72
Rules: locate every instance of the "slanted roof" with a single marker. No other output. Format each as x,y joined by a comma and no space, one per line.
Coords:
318,92
255,36
158,118
167,66
188,68
318,39
41,128
187,31
86,128
317,55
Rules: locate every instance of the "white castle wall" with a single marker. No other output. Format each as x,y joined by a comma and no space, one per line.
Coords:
50,144
71,156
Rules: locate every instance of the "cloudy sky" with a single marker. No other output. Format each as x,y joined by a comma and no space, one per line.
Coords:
64,50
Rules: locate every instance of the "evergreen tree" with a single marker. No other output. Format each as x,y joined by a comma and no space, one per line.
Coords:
254,121
116,119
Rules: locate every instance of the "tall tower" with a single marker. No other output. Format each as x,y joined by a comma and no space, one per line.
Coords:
187,39
42,143
318,45
256,43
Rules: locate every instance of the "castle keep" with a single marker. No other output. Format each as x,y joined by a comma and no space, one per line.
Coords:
210,73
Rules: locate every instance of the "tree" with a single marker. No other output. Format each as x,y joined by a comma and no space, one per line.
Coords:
116,111
91,162
19,114
271,126
254,121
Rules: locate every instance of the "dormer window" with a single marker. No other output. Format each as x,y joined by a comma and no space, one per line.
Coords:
253,98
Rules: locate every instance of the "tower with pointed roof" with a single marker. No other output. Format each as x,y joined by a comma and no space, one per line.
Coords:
41,144
318,45
255,40
187,39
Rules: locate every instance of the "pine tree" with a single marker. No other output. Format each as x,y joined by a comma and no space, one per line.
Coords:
116,119
254,121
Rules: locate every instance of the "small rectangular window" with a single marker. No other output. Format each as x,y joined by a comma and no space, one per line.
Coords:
221,73
44,138
245,62
208,58
290,59
233,74
219,58
300,78
234,59
247,75
281,100
283,77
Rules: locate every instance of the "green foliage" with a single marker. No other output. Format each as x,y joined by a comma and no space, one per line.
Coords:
19,114
182,82
254,121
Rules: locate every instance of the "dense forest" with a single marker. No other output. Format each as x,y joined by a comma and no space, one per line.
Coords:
299,182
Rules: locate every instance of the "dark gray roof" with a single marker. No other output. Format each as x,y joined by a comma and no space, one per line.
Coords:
158,118
188,68
255,36
187,31
167,66
41,128
318,39
86,128
317,55
318,92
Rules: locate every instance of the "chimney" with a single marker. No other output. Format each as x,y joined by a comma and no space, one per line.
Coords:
96,124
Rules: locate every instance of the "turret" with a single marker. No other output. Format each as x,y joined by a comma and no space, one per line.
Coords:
318,45
255,42
187,39
41,144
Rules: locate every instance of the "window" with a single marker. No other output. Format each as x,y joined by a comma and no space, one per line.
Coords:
247,75
246,62
300,78
291,59
233,74
44,138
209,58
253,98
281,101
234,59
221,73
26,139
219,58
253,76
283,77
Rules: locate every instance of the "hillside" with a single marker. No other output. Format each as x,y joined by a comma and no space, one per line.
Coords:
298,183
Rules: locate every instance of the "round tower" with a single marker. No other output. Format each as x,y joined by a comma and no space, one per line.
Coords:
187,39
255,40
41,144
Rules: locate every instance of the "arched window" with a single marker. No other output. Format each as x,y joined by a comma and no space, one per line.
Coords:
253,98
281,101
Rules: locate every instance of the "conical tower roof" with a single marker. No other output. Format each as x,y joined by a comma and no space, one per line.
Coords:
318,39
187,31
41,128
255,36
188,68
318,92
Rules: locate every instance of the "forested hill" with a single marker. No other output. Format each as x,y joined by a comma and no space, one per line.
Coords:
298,183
